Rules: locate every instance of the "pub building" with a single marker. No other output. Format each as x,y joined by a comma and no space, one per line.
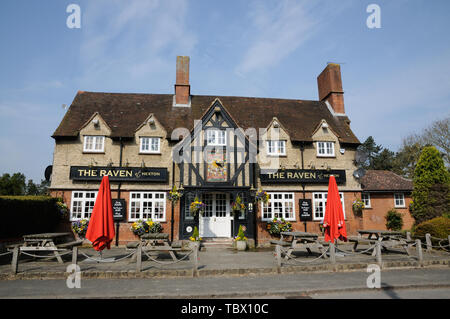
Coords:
215,148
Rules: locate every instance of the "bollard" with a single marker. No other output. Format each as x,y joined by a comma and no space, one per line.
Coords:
278,256
332,253
428,242
378,253
419,251
74,255
195,270
139,258
15,260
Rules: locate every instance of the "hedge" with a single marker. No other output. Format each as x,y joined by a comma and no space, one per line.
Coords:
21,215
438,227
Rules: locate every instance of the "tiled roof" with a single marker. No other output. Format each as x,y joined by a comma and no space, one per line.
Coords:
124,112
378,180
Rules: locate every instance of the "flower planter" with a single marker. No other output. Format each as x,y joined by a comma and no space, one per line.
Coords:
241,245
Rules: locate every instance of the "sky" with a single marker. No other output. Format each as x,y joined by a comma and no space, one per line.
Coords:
396,78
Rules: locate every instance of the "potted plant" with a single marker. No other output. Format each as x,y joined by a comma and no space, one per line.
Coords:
358,206
142,227
197,207
63,209
241,240
80,227
238,205
262,196
174,195
195,235
276,226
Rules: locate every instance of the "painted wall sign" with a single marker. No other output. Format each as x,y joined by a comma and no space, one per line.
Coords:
305,210
216,166
119,174
303,176
119,207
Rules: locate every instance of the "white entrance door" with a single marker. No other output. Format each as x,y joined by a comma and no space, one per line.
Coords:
216,220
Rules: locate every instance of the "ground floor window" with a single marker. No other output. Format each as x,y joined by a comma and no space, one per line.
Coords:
82,204
365,197
280,205
145,205
399,200
320,202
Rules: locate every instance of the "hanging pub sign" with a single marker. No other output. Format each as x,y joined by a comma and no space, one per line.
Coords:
119,174
119,209
303,176
305,210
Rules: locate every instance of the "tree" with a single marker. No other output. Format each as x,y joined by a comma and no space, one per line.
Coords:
438,134
372,150
431,194
12,185
406,158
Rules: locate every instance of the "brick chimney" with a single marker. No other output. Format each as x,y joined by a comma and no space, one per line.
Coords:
330,87
182,87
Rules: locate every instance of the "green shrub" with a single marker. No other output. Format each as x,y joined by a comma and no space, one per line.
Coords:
21,215
394,220
438,227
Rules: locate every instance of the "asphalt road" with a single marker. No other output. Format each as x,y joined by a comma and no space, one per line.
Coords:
430,283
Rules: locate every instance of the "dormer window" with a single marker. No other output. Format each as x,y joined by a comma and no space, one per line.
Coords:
276,148
325,149
94,144
150,145
216,137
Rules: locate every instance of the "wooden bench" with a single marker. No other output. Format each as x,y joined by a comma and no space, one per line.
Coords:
280,242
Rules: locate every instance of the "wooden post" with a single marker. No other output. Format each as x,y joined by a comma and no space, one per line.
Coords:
278,256
419,251
332,253
408,235
428,242
75,255
15,260
378,253
139,258
195,270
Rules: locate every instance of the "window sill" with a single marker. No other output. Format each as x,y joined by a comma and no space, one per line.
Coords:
326,156
93,152
149,153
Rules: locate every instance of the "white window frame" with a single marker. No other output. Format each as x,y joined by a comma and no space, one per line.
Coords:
216,137
327,147
148,141
278,147
365,197
83,203
138,200
399,197
96,139
323,201
287,202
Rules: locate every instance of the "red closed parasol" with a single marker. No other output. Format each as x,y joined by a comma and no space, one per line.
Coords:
333,221
101,225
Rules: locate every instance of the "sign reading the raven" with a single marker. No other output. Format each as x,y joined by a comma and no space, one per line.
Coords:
119,209
305,210
119,174
303,176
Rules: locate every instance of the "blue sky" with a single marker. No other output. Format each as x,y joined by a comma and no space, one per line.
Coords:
396,79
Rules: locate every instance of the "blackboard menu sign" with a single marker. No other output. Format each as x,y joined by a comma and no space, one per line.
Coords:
305,210
119,209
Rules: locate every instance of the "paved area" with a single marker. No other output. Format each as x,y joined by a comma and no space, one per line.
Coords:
212,262
394,283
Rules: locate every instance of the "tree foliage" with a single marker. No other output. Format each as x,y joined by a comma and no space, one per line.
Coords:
431,194
15,185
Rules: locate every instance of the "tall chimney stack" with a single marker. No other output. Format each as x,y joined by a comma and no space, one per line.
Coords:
330,87
182,87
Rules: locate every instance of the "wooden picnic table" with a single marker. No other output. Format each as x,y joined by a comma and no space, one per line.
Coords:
43,242
156,242
301,240
387,239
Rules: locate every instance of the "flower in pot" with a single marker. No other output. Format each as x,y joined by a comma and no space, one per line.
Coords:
262,196
241,240
195,235
358,206
278,225
174,195
80,227
197,207
238,206
142,227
